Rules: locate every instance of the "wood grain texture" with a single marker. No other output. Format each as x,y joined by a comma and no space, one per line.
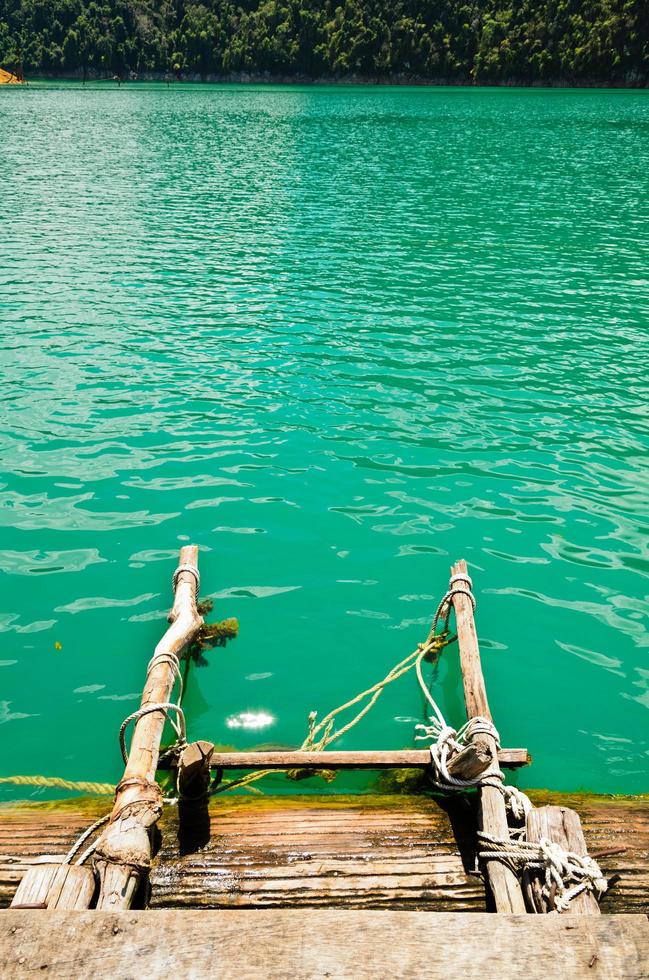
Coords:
366,851
73,887
387,759
306,944
505,886
563,826
33,888
472,760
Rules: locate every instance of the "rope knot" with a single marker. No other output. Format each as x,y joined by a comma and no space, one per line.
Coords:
558,867
447,738
517,801
186,568
465,584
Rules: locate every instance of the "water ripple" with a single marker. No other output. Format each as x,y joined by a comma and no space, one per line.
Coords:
338,337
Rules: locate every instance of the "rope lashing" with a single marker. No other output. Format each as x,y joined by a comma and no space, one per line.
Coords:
447,742
167,657
179,727
569,873
444,608
186,568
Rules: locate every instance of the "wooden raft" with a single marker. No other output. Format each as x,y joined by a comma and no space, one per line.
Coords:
355,852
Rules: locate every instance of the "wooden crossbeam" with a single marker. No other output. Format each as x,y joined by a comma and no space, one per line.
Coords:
402,759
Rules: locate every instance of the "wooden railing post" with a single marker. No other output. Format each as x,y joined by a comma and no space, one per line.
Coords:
123,853
492,815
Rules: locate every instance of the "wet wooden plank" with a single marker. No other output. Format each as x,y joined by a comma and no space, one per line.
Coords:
320,943
370,851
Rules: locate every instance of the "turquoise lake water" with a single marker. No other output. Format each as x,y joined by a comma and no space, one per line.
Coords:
338,337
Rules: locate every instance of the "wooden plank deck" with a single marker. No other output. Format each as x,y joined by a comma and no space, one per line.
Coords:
353,852
310,943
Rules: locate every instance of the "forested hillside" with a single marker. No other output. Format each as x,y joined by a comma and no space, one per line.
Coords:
484,41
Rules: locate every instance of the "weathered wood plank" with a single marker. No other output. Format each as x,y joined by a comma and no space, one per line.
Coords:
33,889
359,840
563,826
320,943
385,759
314,855
73,887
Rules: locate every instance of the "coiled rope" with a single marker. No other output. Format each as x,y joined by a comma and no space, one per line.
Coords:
192,571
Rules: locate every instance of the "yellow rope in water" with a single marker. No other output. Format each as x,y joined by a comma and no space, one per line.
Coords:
55,782
434,645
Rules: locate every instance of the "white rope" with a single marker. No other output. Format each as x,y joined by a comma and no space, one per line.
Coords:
180,728
447,742
560,868
86,854
168,657
516,801
83,838
186,568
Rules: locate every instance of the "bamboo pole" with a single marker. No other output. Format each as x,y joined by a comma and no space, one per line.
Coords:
492,815
123,854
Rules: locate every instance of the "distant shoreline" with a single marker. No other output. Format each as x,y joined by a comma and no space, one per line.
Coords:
248,78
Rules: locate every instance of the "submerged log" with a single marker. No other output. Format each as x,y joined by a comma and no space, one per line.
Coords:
504,884
365,851
123,853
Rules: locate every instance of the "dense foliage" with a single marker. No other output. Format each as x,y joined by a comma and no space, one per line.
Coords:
483,40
